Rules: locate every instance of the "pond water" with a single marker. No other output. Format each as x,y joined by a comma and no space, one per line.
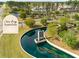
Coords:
43,50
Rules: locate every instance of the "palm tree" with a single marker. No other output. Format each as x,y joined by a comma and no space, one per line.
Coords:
57,4
73,3
48,6
28,7
52,5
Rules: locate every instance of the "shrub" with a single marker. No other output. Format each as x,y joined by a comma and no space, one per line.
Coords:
70,39
44,21
29,22
57,12
22,14
52,30
64,20
62,28
76,17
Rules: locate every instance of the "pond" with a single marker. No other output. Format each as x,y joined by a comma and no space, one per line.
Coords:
42,50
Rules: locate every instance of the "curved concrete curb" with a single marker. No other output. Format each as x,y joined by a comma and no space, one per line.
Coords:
66,51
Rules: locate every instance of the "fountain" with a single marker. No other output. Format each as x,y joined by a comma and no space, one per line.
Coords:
40,37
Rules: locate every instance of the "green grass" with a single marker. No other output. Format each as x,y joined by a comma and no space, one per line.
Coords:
10,47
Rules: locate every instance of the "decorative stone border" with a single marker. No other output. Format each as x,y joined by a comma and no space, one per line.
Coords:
66,51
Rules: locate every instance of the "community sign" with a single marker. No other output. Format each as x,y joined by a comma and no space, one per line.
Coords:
10,25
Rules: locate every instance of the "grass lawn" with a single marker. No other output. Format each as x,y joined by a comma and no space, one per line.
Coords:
9,44
10,47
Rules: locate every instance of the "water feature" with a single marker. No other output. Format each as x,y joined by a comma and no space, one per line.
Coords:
42,50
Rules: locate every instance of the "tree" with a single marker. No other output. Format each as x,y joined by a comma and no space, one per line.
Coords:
57,12
48,6
29,22
6,10
76,17
44,21
73,3
62,28
52,30
64,20
22,14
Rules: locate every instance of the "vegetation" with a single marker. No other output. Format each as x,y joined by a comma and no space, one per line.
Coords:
67,34
62,28
44,21
22,14
30,22
76,17
52,30
69,38
64,20
57,12
10,46
15,7
25,10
